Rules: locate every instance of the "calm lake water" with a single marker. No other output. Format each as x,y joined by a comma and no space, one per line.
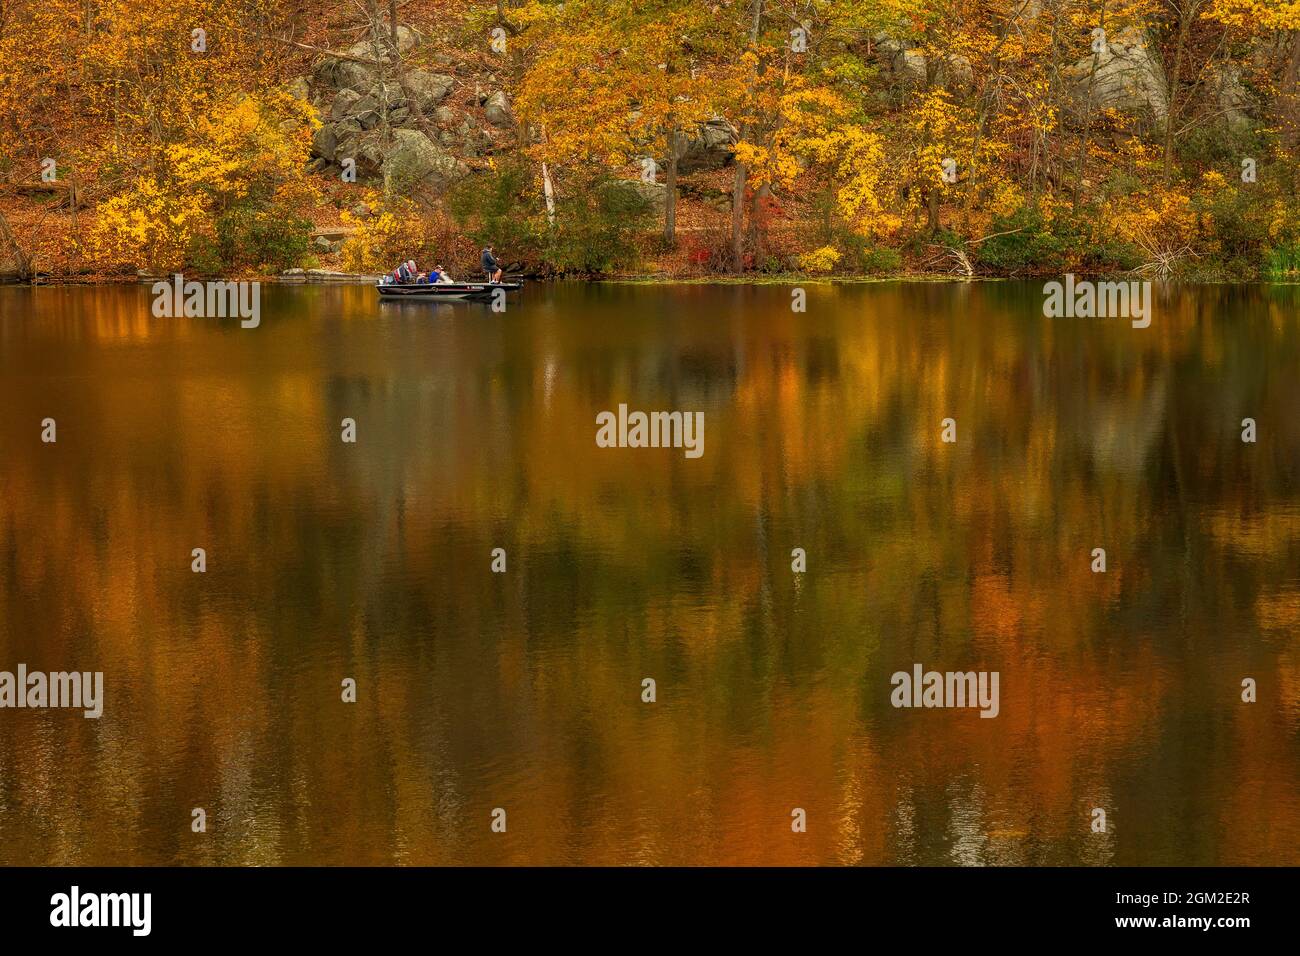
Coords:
476,690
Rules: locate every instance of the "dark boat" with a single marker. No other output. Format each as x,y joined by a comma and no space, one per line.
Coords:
445,290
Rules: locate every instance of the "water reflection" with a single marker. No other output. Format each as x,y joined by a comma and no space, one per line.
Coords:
522,691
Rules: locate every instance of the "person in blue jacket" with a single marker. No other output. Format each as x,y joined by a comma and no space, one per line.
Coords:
491,268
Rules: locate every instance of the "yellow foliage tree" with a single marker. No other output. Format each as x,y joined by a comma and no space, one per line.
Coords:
245,152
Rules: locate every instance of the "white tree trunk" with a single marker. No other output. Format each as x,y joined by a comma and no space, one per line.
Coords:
549,192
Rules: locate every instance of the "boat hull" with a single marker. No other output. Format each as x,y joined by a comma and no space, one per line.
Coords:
450,290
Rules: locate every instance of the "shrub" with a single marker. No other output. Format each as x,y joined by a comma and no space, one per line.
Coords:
1282,263
243,162
709,251
264,237
592,231
879,260
379,242
498,207
593,228
856,252
1031,241
824,259
1026,241
1244,227
397,229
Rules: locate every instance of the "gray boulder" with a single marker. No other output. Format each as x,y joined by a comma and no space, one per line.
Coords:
713,146
344,104
1236,105
468,137
912,68
348,75
407,40
886,46
324,142
656,194
347,127
428,89
496,110
369,156
369,110
1128,78
413,160
382,96
323,71
367,49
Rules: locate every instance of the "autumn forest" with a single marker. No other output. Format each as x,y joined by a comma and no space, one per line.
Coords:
661,137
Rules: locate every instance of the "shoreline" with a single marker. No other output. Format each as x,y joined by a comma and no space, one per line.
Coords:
329,277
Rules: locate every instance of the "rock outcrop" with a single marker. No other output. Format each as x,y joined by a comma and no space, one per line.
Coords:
1128,74
1128,78
358,101
912,68
1235,104
655,194
428,89
496,108
413,160
711,146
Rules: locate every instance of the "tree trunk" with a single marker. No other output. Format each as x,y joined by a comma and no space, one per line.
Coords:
378,40
391,66
1087,118
1184,26
738,184
548,191
1053,91
670,196
8,241
738,217
1288,103
755,221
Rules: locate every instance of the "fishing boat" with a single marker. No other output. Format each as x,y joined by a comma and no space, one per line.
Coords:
445,290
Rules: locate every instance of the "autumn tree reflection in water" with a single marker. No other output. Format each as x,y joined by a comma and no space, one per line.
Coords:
477,690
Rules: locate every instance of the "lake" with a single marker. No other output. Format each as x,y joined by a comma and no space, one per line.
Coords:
372,561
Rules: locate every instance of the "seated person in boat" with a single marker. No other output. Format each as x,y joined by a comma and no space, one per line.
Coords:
491,268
